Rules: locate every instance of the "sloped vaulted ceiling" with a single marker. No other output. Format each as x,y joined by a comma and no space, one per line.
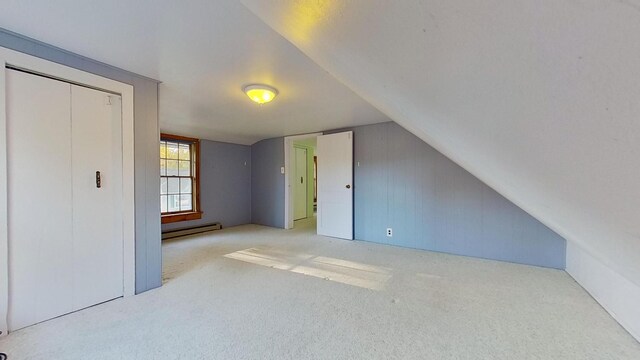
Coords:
203,52
539,99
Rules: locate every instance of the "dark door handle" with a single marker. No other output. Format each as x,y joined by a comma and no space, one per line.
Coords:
98,180
301,180
348,186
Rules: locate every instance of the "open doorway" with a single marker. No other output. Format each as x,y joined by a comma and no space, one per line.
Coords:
304,184
333,183
300,181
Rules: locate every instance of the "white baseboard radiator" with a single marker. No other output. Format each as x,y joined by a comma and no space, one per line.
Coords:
170,234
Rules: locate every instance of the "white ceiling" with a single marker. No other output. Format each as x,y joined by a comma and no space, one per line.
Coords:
203,51
539,99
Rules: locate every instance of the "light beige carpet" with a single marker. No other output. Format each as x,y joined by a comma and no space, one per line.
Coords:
253,292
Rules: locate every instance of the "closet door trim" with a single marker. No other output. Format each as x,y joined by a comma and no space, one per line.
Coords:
14,59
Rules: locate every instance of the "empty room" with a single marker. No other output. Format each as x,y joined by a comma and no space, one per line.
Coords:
320,179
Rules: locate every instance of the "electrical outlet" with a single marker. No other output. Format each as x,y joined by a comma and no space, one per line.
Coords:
389,232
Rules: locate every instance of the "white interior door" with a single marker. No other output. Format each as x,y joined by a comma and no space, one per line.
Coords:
300,184
39,198
335,188
96,133
65,233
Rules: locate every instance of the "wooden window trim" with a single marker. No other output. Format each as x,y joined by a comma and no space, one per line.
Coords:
177,217
197,210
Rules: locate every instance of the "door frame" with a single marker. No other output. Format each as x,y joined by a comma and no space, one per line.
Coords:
289,165
47,68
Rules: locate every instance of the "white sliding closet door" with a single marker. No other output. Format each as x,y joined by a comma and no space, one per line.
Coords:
65,232
39,198
96,133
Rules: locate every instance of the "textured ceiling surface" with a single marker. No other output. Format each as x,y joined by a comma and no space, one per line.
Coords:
203,52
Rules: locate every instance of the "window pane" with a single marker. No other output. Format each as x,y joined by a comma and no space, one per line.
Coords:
185,202
176,171
185,186
163,150
172,150
174,186
163,186
185,168
163,167
185,152
173,203
172,167
163,203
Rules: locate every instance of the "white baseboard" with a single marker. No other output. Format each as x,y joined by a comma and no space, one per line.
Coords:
617,295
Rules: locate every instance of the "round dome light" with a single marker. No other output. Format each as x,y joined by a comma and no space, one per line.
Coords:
260,93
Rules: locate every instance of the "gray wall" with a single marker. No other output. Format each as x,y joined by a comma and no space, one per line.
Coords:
225,185
430,202
267,183
433,204
147,166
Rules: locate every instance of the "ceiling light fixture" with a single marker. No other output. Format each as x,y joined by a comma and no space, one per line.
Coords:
260,93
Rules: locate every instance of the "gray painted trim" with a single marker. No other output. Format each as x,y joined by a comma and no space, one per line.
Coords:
9,38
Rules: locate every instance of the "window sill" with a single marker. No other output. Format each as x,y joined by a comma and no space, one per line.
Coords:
171,218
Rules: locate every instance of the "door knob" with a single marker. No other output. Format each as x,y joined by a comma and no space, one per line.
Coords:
348,186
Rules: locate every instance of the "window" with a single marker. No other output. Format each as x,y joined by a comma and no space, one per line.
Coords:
179,181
